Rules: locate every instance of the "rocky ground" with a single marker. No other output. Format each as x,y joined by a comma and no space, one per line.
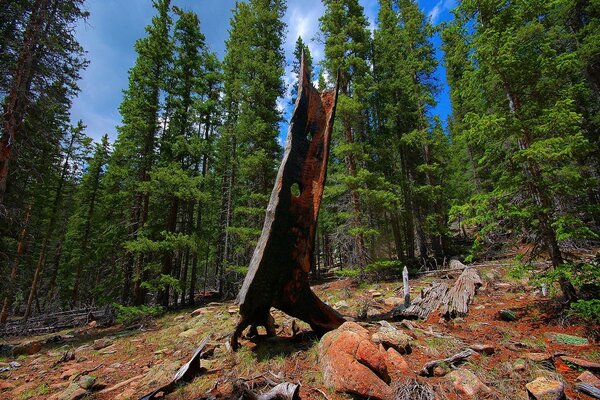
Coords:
541,350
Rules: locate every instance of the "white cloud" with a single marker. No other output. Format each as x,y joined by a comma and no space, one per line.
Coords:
440,7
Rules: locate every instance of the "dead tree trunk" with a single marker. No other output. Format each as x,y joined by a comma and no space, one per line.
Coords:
278,272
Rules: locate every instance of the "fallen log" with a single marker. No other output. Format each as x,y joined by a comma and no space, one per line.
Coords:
278,272
461,294
427,369
588,389
283,391
430,299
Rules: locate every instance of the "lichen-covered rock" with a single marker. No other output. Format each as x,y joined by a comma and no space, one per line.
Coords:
545,389
467,383
393,338
351,363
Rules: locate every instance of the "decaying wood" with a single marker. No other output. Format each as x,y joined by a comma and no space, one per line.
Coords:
454,302
427,369
283,391
430,299
186,373
278,272
54,322
461,294
588,389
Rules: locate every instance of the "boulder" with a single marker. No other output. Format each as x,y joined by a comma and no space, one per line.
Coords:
545,389
397,367
486,349
351,363
102,343
27,348
393,338
467,383
86,382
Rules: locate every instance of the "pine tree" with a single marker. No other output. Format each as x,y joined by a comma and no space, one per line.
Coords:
347,44
136,144
84,217
248,147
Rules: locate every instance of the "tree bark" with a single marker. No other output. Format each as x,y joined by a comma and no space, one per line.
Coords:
17,100
283,258
9,297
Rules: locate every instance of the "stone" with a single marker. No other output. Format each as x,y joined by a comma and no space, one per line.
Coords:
28,348
467,383
201,311
189,333
86,382
68,373
341,304
439,370
376,294
24,388
519,365
397,367
396,339
6,386
108,350
486,349
545,389
93,324
102,343
538,357
580,362
393,301
507,315
351,363
589,378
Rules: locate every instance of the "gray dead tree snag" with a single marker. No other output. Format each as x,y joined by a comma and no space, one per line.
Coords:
278,272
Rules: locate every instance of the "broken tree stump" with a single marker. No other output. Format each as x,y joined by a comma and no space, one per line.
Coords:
454,301
462,294
278,272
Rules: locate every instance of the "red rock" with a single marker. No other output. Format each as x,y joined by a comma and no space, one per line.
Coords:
545,389
6,385
581,363
397,367
339,354
466,382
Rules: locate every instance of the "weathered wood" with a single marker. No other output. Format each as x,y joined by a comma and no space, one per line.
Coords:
588,389
430,299
283,391
427,369
47,323
406,286
186,373
461,294
278,272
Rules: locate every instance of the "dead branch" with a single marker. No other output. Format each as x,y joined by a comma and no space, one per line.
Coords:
461,294
427,369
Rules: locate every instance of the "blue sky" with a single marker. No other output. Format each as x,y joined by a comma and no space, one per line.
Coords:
114,25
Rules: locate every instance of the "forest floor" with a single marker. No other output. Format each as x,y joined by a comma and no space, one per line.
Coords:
124,363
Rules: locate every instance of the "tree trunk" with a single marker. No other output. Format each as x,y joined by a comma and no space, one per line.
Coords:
49,231
278,272
10,295
17,100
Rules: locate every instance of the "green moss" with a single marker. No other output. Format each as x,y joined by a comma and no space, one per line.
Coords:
41,390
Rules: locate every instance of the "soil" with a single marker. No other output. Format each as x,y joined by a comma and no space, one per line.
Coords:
145,356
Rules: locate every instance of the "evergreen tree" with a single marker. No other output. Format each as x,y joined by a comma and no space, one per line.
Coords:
248,147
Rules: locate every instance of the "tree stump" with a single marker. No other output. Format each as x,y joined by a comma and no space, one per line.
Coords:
278,272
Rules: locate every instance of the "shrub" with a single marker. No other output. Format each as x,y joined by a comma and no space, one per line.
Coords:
588,310
128,315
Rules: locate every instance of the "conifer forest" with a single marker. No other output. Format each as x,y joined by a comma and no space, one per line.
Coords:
175,227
